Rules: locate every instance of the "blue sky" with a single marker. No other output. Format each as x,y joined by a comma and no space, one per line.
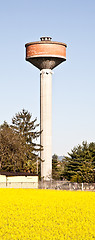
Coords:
73,90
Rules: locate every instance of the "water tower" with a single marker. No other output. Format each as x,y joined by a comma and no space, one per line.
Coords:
46,55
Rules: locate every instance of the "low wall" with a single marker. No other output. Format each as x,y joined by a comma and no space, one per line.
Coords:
18,181
2,181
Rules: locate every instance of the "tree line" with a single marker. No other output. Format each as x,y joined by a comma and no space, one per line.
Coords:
78,166
19,152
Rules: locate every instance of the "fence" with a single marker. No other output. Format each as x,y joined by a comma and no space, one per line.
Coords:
64,185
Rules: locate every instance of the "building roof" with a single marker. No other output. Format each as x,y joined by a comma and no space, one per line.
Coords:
17,173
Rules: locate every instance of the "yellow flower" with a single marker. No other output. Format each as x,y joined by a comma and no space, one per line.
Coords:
27,214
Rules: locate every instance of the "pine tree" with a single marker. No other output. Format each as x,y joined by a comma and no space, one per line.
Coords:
27,128
80,164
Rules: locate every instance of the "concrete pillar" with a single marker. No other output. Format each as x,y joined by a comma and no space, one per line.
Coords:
46,123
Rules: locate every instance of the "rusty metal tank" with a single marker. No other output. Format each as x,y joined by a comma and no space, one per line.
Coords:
45,54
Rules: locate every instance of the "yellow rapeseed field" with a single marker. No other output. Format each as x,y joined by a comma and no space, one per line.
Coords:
46,214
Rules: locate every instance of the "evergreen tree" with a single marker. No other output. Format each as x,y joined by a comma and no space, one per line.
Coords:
57,168
54,166
24,126
80,164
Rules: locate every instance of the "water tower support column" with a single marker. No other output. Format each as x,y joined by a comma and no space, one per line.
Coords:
46,123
